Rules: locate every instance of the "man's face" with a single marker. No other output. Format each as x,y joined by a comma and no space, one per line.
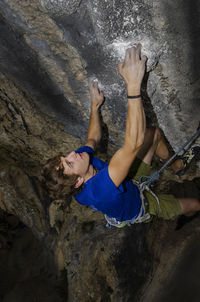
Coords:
75,163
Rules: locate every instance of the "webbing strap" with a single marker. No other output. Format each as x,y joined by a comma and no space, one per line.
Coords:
142,188
156,198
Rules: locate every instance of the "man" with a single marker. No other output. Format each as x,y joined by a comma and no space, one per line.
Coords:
105,187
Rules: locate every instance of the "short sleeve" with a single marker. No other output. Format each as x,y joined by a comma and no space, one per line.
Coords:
100,193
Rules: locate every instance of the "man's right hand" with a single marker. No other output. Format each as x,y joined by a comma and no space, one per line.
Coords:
132,69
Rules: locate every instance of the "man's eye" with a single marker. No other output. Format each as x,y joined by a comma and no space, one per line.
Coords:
70,164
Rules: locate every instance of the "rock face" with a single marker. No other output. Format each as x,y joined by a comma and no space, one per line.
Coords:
49,49
26,268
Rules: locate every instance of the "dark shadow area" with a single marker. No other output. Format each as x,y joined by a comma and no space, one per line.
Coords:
151,118
186,189
133,263
103,145
27,269
183,286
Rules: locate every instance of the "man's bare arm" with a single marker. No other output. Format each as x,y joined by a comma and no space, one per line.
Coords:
94,129
132,71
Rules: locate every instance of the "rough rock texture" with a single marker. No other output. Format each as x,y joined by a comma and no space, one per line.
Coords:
49,49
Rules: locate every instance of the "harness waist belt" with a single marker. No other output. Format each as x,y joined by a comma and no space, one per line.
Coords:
142,216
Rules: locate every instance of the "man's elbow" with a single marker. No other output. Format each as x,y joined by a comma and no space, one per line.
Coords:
134,146
140,142
138,146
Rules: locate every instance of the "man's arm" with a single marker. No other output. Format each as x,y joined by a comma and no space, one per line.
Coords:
132,71
94,129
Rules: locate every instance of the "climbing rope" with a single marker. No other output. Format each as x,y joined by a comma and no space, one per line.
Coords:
155,176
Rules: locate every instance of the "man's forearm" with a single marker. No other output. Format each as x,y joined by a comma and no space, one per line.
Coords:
136,121
94,129
132,71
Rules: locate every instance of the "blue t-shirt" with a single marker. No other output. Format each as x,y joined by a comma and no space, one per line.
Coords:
101,194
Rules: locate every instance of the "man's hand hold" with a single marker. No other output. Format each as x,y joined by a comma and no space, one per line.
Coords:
133,68
97,96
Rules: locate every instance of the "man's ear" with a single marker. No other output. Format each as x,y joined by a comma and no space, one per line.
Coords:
79,182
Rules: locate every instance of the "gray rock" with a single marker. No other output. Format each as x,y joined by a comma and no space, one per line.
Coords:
48,52
61,7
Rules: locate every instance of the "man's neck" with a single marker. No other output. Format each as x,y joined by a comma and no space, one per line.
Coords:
91,172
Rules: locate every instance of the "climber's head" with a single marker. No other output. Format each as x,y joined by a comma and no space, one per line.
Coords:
63,176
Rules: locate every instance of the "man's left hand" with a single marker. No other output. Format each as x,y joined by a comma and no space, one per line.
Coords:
97,96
